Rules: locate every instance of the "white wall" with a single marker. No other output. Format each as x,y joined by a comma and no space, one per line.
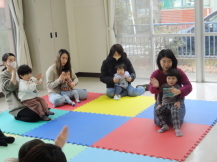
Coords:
87,34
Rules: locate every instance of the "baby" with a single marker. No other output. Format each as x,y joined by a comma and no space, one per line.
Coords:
67,92
122,83
27,92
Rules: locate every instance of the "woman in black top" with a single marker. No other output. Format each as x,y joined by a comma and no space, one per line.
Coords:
118,56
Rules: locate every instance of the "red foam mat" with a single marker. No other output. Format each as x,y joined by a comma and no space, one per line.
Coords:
91,96
140,136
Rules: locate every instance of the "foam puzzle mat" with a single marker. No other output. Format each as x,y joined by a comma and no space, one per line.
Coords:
103,129
91,96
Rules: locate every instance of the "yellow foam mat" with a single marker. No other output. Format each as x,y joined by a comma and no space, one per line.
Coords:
126,106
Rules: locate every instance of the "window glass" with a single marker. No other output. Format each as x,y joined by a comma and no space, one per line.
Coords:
6,31
132,31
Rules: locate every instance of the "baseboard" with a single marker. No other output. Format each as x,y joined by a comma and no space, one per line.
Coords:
2,95
82,74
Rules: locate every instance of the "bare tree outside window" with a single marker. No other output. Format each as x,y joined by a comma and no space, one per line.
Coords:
172,25
133,30
6,30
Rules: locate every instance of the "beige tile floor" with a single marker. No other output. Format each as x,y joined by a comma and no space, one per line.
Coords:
204,152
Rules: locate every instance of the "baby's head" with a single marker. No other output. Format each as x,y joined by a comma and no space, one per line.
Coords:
120,69
67,74
172,76
24,72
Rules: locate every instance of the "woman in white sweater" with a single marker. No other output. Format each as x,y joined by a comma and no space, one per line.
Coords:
55,77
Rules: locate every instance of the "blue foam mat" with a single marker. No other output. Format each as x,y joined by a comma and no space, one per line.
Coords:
148,113
101,155
201,112
84,128
10,125
197,112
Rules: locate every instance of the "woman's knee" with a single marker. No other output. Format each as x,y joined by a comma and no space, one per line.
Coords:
110,92
135,91
27,115
35,118
182,113
82,94
156,121
57,100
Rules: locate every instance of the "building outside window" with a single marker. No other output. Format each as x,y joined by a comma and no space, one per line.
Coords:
146,27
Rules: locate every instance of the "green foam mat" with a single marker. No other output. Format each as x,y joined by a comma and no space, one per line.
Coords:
71,150
11,151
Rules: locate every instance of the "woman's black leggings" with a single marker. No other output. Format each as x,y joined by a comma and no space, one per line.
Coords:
28,115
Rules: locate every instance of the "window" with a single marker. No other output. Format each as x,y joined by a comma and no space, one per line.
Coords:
6,30
144,31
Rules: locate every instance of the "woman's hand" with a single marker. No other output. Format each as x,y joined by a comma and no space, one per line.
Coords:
62,77
38,76
175,91
62,137
129,79
115,80
10,68
158,106
154,82
72,84
13,72
177,104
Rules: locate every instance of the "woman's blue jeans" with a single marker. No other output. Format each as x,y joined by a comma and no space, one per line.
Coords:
168,116
130,91
58,100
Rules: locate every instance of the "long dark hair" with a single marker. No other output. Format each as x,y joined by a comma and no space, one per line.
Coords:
5,57
117,48
67,66
169,54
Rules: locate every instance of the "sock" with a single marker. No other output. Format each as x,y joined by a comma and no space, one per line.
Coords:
163,129
77,100
45,118
73,104
178,133
48,112
3,143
